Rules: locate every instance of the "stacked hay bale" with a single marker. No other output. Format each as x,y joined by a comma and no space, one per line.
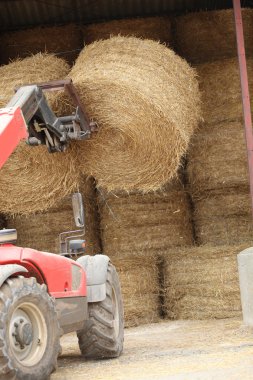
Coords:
202,283
32,179
153,28
65,41
41,230
135,229
144,129
207,36
217,166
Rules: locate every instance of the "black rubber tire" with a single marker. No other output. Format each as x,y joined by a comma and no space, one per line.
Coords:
100,339
13,293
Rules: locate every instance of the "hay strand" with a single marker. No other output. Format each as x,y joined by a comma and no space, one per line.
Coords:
153,28
209,36
145,125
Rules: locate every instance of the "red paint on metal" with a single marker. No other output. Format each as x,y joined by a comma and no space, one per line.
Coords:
245,91
12,130
55,270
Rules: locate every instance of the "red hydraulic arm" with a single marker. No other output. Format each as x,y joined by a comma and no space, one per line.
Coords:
12,129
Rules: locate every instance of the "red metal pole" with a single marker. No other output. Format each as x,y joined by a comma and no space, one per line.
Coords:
245,91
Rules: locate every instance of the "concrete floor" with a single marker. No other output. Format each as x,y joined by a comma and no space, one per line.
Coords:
179,350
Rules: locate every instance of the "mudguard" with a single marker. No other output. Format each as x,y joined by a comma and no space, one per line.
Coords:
8,270
95,268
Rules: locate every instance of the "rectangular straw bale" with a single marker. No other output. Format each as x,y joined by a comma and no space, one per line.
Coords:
223,218
221,91
65,41
140,287
202,283
41,231
210,35
142,222
217,157
154,28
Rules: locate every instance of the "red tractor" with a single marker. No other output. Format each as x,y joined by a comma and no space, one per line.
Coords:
43,295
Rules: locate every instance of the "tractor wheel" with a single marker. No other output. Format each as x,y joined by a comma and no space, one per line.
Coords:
103,334
29,331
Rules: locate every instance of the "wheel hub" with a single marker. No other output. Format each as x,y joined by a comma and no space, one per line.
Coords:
28,334
23,333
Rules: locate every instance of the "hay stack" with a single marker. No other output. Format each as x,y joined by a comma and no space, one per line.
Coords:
41,231
145,125
145,222
221,91
218,180
32,179
135,229
209,36
217,158
217,162
224,217
64,41
140,287
153,28
202,283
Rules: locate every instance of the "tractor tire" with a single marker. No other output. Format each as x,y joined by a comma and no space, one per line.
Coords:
103,334
29,331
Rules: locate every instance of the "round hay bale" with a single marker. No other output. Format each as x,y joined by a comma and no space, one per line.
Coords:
221,91
209,36
202,283
65,41
146,102
32,179
140,288
35,69
41,230
153,28
217,158
223,218
145,222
